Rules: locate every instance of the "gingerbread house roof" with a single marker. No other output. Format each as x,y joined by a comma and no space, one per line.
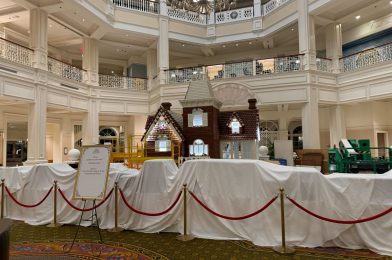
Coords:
172,118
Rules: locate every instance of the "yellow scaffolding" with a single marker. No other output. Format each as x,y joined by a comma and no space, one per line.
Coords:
136,152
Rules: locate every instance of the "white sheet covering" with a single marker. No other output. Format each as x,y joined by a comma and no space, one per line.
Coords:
229,187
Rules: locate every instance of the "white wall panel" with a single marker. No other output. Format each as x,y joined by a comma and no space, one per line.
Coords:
78,103
283,96
352,94
328,95
16,89
57,99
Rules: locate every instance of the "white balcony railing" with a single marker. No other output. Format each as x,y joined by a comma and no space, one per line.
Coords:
279,64
236,69
366,58
230,70
272,5
16,53
324,64
184,75
64,70
182,15
139,5
234,15
112,81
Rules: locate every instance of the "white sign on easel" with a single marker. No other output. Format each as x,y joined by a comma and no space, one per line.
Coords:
93,172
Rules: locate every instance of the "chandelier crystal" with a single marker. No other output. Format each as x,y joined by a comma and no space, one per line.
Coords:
202,6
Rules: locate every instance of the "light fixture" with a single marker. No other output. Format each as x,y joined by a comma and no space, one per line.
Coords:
236,44
202,6
250,43
223,46
83,20
183,45
390,2
292,29
357,17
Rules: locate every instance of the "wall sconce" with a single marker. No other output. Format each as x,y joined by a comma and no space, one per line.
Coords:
65,150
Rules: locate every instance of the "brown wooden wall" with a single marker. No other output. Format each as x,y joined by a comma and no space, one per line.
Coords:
209,134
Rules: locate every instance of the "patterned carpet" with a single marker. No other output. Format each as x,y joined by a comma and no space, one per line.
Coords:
39,242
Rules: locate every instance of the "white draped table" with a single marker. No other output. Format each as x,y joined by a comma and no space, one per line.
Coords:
229,187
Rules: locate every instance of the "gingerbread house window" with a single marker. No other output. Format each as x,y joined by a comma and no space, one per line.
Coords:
198,118
235,124
198,148
162,144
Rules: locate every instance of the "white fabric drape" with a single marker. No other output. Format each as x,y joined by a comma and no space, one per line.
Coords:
229,187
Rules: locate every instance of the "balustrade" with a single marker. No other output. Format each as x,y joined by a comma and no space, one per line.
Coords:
272,5
139,5
184,75
234,15
64,70
113,81
366,58
16,53
187,16
324,64
236,69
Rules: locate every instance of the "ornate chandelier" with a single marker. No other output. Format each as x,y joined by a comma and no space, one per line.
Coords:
202,6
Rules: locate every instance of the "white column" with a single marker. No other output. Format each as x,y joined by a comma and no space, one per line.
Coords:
337,124
151,67
66,136
333,43
39,38
310,121
90,61
257,18
163,42
306,35
211,24
36,147
3,143
90,126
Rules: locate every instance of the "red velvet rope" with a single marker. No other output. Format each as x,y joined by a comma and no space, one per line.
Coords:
146,213
339,221
233,218
25,205
88,209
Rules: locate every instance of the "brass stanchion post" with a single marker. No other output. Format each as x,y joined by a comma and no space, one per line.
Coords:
116,228
283,249
185,236
54,224
2,198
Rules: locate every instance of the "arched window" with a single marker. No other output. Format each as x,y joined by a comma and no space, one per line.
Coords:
198,148
108,131
295,134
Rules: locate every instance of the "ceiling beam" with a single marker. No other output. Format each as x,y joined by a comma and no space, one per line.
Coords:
207,51
25,3
99,32
65,43
123,45
12,17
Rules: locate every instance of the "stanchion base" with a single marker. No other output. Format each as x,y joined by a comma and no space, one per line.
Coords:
115,229
284,251
54,225
185,238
